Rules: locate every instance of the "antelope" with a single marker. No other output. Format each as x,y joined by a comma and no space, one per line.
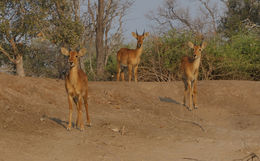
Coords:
76,84
190,69
130,57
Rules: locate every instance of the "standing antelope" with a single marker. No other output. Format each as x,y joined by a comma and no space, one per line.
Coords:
190,68
76,84
130,57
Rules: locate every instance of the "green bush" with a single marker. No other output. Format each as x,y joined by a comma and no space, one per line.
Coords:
237,58
234,58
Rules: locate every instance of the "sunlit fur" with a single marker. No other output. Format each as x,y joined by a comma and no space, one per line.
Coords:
130,58
190,70
76,84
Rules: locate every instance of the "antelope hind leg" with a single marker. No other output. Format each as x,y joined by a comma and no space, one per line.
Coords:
86,107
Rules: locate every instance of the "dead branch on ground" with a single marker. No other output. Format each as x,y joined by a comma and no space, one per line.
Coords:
250,157
189,121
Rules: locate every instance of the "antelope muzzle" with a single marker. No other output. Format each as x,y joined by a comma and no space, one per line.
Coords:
71,63
139,45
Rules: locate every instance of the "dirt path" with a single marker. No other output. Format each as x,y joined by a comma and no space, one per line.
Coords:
131,122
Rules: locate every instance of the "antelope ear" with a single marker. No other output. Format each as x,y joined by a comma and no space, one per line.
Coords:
146,34
190,44
203,45
64,51
134,35
82,52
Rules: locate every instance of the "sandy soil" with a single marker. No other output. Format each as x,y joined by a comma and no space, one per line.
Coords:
130,122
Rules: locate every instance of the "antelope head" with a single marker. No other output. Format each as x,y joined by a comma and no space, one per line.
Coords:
197,49
140,38
73,56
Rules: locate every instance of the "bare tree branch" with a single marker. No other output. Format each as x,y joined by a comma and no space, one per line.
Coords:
211,12
91,13
172,16
6,54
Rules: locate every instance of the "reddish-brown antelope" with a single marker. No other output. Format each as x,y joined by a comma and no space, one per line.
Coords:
190,69
76,84
130,58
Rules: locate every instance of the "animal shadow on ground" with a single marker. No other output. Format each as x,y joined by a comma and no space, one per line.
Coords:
58,121
169,100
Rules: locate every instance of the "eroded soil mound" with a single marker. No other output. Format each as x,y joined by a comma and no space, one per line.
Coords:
130,121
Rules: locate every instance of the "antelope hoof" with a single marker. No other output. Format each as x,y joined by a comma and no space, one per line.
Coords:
77,125
195,107
190,109
89,124
81,128
69,128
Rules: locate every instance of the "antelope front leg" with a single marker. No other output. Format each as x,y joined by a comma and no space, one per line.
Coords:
118,72
78,119
185,92
70,99
195,95
190,93
130,68
123,76
86,107
135,72
79,107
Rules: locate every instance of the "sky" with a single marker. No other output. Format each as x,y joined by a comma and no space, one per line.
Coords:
136,17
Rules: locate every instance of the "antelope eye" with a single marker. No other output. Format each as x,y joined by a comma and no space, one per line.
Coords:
76,56
199,49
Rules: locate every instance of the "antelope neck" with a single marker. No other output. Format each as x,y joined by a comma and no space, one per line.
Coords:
196,63
139,51
74,71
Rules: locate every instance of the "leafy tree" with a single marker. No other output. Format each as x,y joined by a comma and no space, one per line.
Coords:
63,26
18,23
237,12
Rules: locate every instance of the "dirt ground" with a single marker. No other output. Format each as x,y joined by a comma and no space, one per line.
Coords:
130,122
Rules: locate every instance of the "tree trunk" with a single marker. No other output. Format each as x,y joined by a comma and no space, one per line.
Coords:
18,61
19,66
99,39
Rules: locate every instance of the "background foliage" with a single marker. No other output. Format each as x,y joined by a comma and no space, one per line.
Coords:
232,52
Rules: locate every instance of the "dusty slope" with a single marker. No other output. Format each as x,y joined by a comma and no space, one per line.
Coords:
33,116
